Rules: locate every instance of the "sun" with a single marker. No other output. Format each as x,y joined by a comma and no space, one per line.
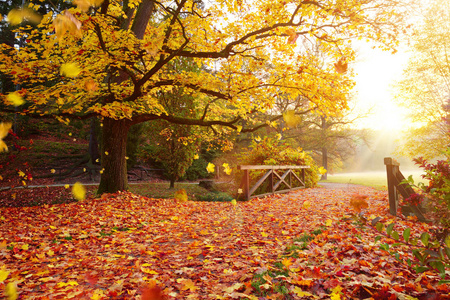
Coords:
376,73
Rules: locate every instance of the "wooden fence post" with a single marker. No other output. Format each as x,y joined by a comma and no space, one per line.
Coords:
392,167
246,185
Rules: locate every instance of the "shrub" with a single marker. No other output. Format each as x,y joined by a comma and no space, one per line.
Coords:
437,191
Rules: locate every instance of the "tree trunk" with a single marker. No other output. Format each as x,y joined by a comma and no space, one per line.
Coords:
94,153
325,162
172,183
114,150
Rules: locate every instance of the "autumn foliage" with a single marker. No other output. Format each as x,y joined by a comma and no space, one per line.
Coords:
124,246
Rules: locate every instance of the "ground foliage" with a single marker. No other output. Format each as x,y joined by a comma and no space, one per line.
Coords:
125,246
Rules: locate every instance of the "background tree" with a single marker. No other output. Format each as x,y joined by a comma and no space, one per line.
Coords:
425,87
110,60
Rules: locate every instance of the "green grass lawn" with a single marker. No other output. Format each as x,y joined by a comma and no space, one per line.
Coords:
376,180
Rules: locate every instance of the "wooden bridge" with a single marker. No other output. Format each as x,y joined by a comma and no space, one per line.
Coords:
279,179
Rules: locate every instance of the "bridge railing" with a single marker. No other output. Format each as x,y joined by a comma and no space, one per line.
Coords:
280,179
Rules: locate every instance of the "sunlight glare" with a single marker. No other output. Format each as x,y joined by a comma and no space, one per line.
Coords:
376,72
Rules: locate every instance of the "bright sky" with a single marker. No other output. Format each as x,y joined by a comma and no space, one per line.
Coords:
376,71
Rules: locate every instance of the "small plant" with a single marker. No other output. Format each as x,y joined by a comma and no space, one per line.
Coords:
215,197
436,194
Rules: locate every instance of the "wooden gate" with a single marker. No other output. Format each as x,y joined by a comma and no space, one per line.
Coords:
288,179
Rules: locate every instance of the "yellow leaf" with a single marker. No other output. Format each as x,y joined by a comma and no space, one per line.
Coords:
15,17
82,5
291,119
78,191
233,202
287,262
66,186
25,247
258,139
298,291
181,195
322,170
148,271
334,296
188,285
50,252
70,70
447,241
264,234
328,222
238,128
239,191
98,294
11,291
3,274
106,153
21,174
4,129
15,99
227,168
52,171
66,23
196,156
306,204
210,168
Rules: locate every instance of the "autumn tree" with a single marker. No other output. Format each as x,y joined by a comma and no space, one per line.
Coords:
425,87
109,59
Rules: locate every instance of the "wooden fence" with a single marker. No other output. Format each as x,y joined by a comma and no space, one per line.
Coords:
289,180
396,185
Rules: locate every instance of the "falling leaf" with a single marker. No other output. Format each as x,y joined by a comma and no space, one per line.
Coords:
53,171
258,138
210,168
70,70
65,24
227,168
152,292
3,274
239,191
181,195
306,204
11,291
188,285
291,119
17,16
4,129
196,156
66,186
341,66
15,99
78,191
322,170
106,153
358,202
90,85
84,5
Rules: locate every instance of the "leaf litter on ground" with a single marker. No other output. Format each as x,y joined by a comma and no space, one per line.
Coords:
125,246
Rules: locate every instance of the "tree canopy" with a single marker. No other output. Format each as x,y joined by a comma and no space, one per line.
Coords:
111,59
425,87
